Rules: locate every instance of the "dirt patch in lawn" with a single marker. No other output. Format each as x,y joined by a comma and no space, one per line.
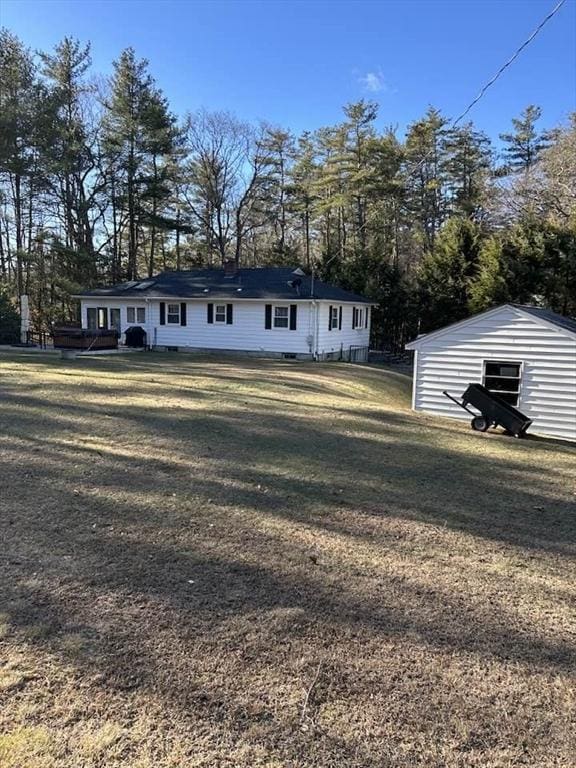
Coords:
261,564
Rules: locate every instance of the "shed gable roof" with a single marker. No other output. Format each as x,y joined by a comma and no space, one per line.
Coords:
544,316
249,283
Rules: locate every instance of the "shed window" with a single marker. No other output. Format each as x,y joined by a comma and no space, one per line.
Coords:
173,314
503,379
280,317
220,313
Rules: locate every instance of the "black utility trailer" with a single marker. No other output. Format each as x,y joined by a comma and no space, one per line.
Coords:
494,412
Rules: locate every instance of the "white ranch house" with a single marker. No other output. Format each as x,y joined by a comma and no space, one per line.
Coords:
272,311
525,354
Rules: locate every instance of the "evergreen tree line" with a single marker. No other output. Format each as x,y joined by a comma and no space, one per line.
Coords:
100,182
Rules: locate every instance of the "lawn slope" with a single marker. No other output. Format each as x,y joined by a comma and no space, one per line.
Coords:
261,564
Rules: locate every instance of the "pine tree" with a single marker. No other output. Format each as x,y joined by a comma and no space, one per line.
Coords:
9,320
467,166
489,287
125,140
21,114
278,151
300,191
69,157
526,143
160,145
448,272
425,175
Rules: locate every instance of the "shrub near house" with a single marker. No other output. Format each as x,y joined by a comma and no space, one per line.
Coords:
9,321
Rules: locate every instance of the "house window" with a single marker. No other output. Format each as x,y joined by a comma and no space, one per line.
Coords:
220,313
136,314
334,318
358,317
503,379
173,314
102,318
280,317
92,318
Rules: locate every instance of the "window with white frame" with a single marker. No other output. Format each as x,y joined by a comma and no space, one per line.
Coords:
358,317
503,379
334,318
136,314
280,317
220,313
173,314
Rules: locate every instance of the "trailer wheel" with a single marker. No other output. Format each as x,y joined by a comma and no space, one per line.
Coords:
480,423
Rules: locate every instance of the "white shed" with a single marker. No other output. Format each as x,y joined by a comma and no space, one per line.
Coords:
525,354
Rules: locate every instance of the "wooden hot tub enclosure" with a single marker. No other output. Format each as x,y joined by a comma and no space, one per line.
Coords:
68,337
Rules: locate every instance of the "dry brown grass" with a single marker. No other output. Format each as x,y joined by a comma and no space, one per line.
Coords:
190,547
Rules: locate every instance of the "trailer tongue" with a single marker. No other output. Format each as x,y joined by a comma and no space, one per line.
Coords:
494,412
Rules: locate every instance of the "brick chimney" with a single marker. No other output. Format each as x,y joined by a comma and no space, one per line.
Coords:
230,268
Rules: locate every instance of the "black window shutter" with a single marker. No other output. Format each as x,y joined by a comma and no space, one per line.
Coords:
183,313
330,317
340,319
293,314
268,317
162,313
210,308
229,310
366,317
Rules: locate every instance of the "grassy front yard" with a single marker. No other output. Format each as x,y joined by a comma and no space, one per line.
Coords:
275,565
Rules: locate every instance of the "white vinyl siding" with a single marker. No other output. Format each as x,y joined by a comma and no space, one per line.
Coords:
248,332
332,342
547,391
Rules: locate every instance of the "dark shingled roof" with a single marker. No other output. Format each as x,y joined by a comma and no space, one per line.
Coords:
546,314
255,283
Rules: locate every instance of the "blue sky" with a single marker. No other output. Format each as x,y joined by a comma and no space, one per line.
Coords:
296,62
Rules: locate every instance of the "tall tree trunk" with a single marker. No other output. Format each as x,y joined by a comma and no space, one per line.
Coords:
132,233
178,258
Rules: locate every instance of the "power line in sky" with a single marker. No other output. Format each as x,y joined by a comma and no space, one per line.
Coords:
509,62
491,82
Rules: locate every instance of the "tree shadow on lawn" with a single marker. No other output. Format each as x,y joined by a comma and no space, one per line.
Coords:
98,547
174,620
205,590
378,467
